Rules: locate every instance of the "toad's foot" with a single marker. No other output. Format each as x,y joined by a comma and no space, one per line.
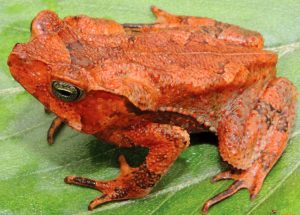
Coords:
131,183
53,129
252,179
165,143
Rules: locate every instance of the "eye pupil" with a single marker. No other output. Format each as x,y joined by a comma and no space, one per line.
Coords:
65,91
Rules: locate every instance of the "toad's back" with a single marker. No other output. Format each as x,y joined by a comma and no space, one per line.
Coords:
166,68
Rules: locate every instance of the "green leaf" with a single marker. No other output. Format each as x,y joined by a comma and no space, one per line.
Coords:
31,180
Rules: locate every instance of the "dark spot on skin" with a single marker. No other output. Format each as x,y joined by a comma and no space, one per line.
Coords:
235,186
218,31
260,108
101,197
120,193
136,25
76,18
227,192
268,121
271,107
161,158
265,159
222,25
126,142
268,111
77,55
131,39
185,143
204,42
144,179
266,166
221,66
282,124
82,61
213,31
204,29
85,181
183,20
74,46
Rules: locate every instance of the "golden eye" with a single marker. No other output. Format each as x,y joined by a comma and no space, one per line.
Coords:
65,91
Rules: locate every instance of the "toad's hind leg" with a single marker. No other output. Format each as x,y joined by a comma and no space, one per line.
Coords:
274,116
165,143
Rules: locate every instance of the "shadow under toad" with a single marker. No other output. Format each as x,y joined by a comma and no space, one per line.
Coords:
84,155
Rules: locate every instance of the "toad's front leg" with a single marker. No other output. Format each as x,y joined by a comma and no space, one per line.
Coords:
165,143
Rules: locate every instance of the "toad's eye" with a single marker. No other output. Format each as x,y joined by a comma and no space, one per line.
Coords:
65,91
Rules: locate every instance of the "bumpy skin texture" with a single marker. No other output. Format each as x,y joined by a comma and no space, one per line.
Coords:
150,85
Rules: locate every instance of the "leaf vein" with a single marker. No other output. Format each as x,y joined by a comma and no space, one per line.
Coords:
61,166
285,49
22,131
11,90
162,203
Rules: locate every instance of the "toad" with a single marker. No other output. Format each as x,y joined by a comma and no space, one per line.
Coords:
151,85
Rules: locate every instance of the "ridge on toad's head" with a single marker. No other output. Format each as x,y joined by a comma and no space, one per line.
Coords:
45,22
62,49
